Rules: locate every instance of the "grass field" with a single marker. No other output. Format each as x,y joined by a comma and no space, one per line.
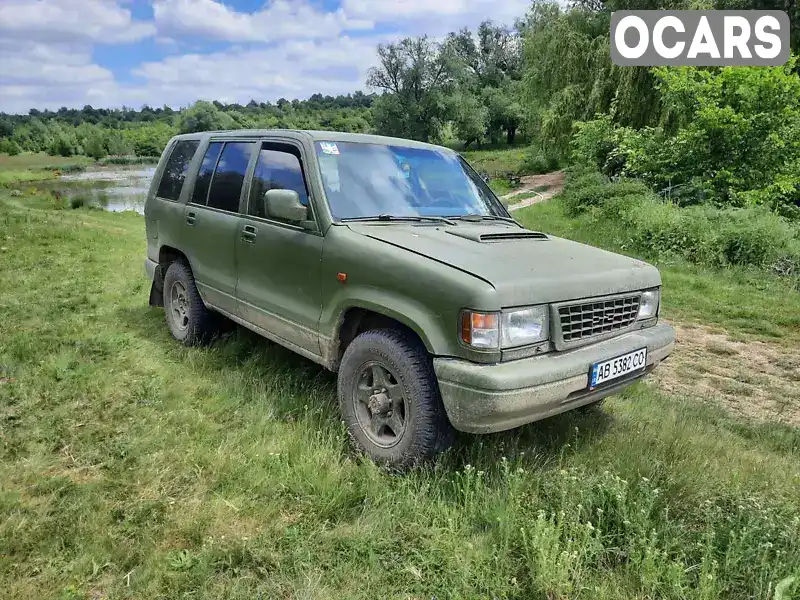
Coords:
131,467
496,160
36,167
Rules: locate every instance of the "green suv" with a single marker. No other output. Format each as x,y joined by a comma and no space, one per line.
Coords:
393,264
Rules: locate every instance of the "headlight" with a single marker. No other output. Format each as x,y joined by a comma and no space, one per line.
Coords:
507,329
525,326
648,304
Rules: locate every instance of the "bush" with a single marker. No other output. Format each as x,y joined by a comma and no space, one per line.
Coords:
730,136
751,236
66,168
128,160
9,146
594,141
535,162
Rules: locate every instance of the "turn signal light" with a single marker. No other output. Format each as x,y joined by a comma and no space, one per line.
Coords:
480,330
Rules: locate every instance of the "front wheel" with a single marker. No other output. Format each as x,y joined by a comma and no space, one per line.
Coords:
390,401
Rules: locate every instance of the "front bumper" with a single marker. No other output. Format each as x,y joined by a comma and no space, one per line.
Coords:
487,398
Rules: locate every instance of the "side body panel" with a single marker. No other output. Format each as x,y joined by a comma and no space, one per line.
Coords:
278,264
278,285
209,246
208,240
419,292
164,218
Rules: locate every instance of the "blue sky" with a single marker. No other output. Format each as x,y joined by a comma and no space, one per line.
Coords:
110,53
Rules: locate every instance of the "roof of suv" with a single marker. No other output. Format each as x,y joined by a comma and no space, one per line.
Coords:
328,136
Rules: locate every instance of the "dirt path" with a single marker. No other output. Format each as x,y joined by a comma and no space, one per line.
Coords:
537,188
754,379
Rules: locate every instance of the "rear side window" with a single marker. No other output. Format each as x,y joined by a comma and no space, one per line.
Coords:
278,168
175,170
226,185
203,182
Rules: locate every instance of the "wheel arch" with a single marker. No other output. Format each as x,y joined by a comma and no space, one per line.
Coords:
354,320
166,256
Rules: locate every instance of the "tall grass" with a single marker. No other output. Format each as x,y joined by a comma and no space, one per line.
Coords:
128,160
708,235
37,167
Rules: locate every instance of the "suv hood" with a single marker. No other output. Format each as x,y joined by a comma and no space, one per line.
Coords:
523,266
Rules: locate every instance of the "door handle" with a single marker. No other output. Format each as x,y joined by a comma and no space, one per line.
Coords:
249,234
190,219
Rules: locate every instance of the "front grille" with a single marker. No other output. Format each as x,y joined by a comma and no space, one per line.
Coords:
581,321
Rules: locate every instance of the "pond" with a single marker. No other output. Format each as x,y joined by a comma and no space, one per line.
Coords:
117,189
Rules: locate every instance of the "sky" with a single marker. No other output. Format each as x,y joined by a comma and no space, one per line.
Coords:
110,53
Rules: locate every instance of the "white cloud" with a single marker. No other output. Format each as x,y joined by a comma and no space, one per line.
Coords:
288,48
436,16
291,69
280,19
70,20
35,74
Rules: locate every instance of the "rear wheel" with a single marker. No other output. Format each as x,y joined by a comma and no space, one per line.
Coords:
390,401
189,321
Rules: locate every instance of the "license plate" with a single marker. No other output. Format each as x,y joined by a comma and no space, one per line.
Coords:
617,367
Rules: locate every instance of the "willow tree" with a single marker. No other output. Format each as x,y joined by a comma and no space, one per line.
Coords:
568,75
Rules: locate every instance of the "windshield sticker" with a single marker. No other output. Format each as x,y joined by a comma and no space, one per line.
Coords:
329,147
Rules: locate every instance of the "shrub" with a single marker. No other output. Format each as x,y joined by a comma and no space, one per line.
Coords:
730,136
536,161
128,160
9,146
589,188
751,236
594,141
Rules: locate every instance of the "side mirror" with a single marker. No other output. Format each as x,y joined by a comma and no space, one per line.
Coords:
485,178
285,205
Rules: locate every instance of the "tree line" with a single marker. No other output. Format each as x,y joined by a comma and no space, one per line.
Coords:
531,80
99,132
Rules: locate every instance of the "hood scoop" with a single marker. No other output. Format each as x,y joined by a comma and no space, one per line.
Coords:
497,236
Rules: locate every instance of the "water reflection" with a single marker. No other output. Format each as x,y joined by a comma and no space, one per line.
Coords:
109,189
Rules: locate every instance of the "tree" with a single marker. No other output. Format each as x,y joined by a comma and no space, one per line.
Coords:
487,66
117,144
6,128
9,146
504,109
415,76
470,120
61,145
95,145
204,116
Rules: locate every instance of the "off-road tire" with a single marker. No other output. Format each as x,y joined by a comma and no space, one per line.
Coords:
201,323
427,429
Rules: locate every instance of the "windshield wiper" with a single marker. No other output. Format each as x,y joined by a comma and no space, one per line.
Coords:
477,217
387,217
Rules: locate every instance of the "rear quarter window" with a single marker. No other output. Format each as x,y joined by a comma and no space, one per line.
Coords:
175,170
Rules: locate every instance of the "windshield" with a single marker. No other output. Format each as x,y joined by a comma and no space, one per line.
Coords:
368,180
